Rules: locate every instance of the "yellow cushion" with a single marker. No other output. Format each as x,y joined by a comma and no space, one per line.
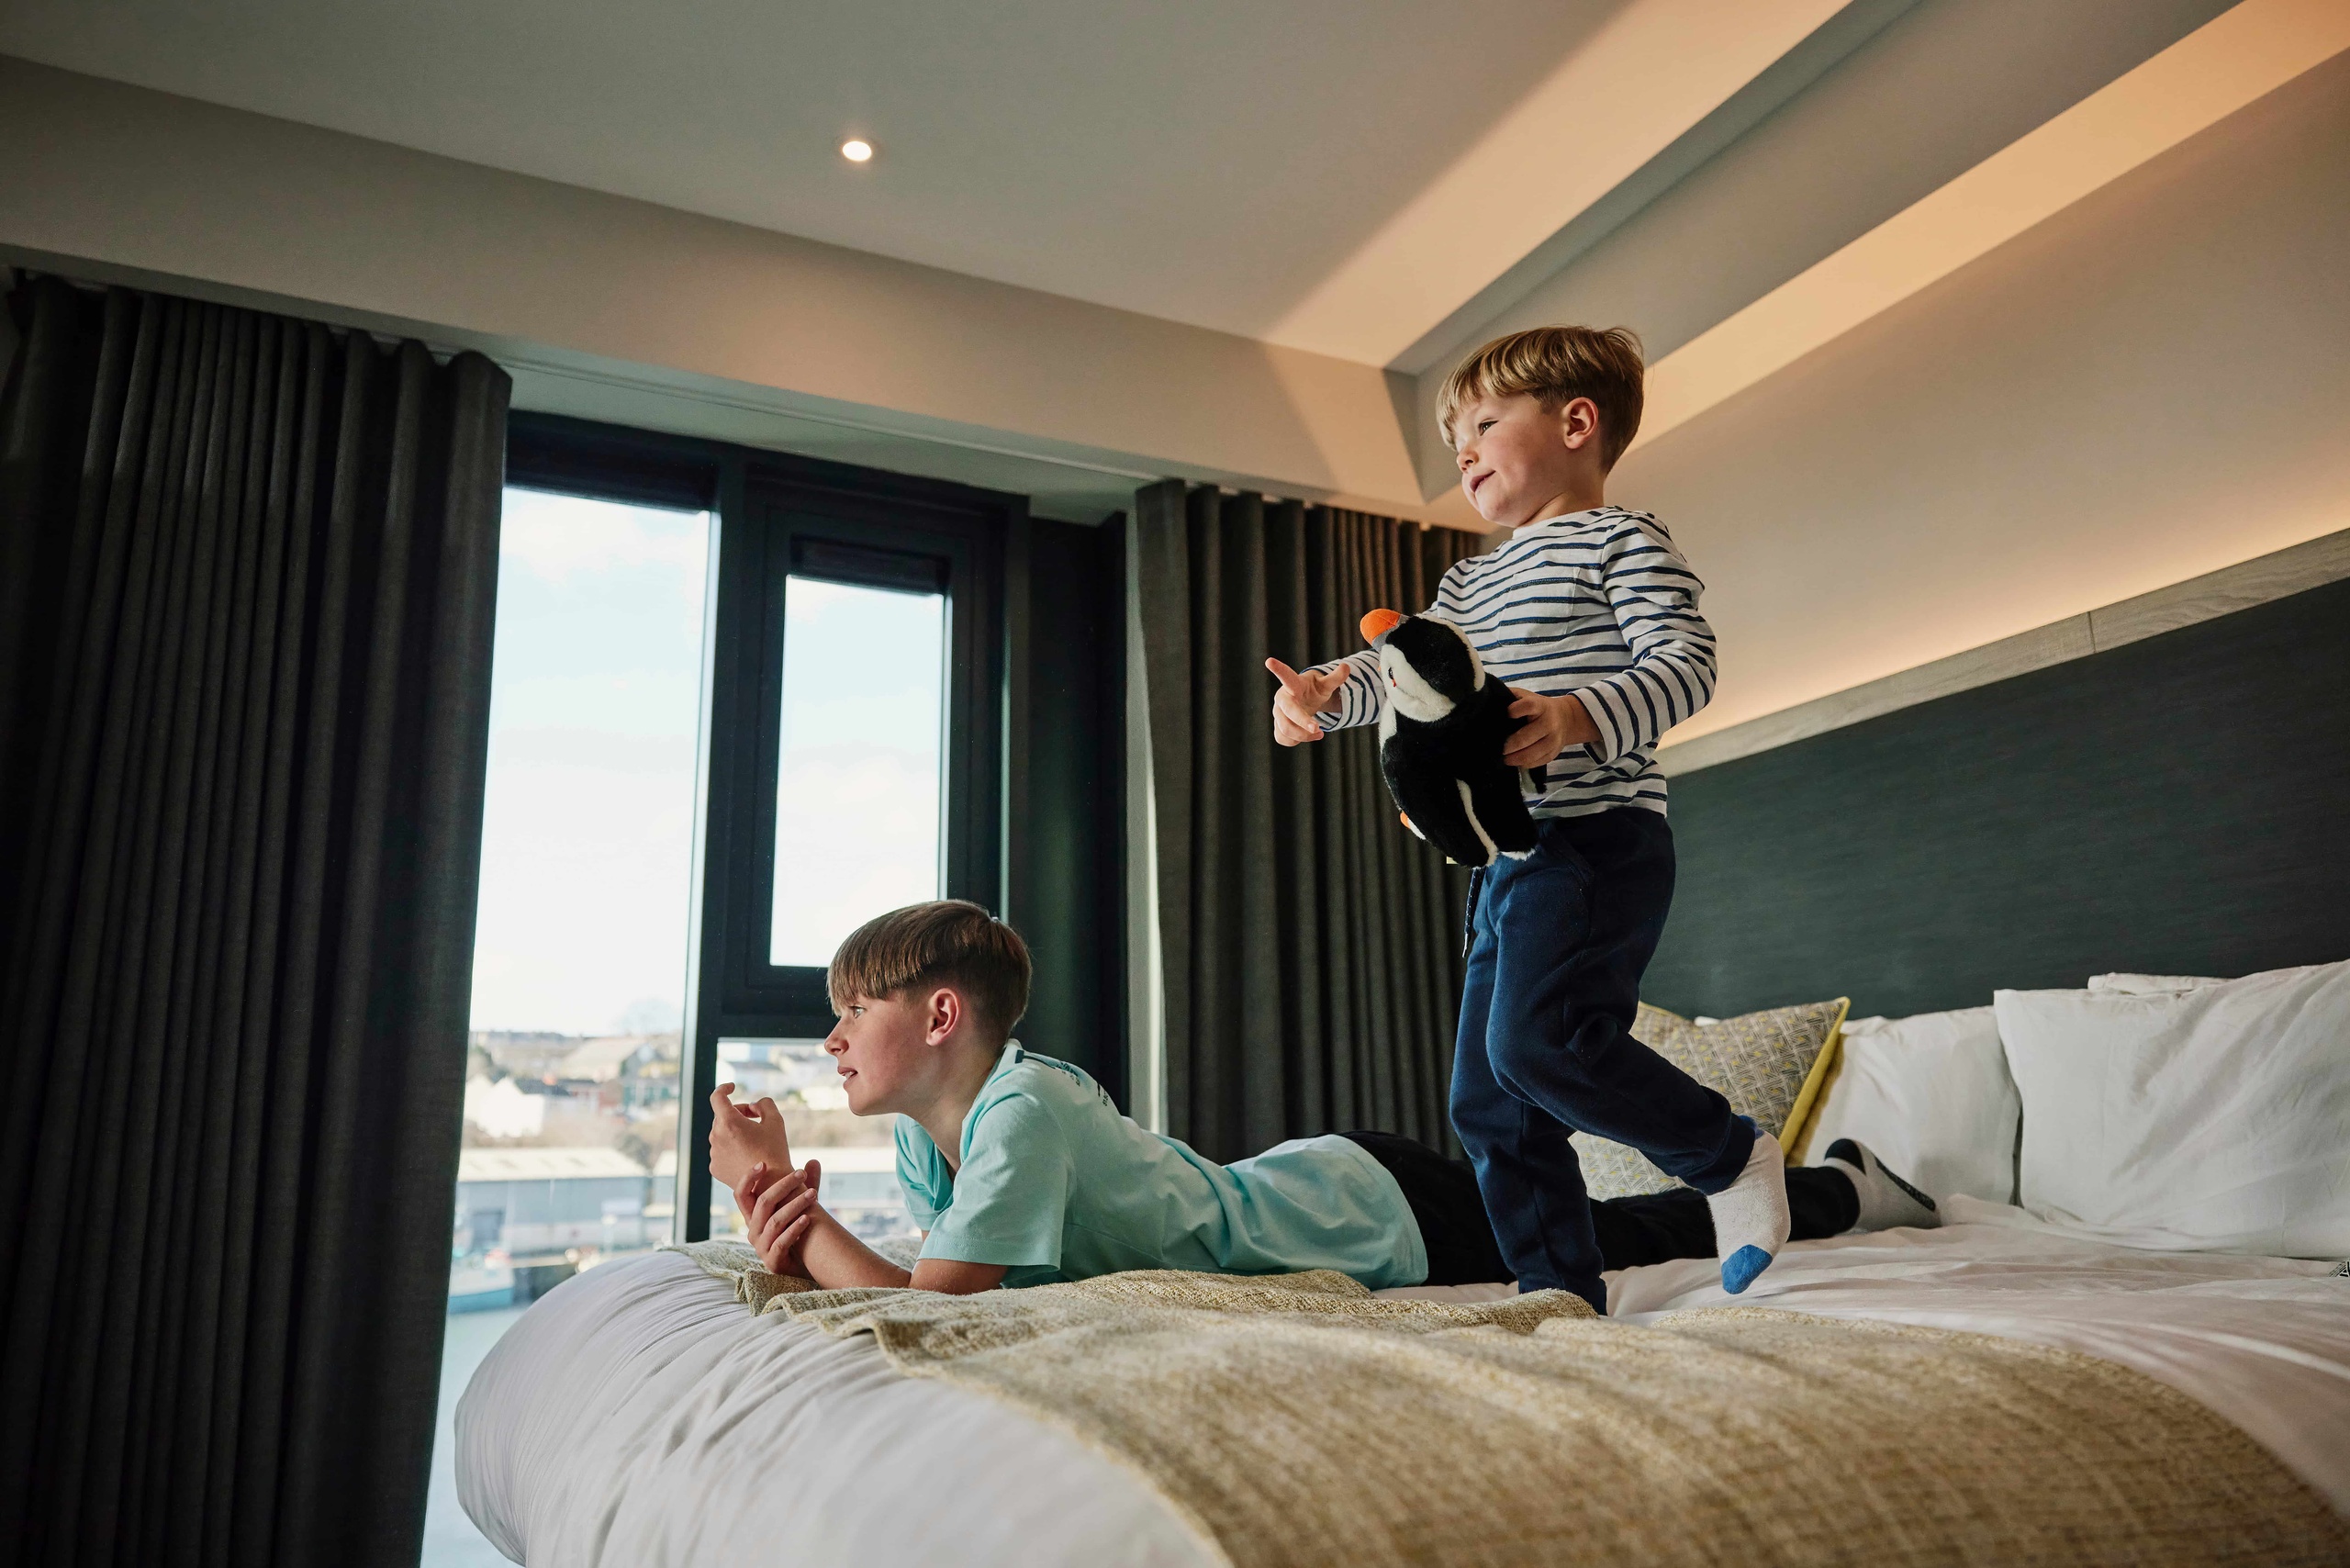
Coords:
1769,1064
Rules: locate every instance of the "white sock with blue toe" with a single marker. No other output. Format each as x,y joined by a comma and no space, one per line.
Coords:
1751,1219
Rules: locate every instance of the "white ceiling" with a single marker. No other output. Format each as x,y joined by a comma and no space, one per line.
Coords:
1212,162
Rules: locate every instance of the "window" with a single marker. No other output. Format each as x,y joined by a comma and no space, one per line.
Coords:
856,747
581,956
741,702
858,784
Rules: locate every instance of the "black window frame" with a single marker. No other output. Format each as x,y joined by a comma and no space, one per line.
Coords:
873,529
770,505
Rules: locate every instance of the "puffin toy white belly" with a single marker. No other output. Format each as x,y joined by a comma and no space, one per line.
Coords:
1440,740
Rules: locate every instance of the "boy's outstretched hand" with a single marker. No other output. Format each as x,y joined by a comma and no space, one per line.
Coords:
1296,706
744,1135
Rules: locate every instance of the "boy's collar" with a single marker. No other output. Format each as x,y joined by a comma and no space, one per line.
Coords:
1009,1056
1565,518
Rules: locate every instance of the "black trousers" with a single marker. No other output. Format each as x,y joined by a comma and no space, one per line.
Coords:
1557,944
1632,1231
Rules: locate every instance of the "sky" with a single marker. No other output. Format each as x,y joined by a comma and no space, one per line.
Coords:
856,784
595,704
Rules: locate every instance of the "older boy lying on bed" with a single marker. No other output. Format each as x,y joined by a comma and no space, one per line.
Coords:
1020,1170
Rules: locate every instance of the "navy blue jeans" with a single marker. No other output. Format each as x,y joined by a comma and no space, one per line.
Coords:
1557,944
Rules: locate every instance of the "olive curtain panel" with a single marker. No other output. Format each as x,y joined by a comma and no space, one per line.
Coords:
1310,947
247,575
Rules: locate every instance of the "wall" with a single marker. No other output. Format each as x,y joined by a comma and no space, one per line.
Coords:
2143,388
1939,88
2179,805
2149,387
603,301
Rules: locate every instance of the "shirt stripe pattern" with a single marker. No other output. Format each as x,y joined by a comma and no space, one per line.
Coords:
1598,604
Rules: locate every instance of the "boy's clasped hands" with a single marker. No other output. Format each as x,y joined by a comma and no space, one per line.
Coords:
751,1153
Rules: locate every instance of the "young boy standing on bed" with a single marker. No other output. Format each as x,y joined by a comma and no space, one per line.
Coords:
1019,1170
1590,615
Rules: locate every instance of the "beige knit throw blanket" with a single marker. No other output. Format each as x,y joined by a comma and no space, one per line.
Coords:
1298,1419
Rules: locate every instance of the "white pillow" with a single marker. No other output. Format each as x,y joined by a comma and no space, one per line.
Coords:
1931,1095
2139,985
2214,1119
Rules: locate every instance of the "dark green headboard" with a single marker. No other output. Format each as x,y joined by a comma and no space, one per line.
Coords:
2179,805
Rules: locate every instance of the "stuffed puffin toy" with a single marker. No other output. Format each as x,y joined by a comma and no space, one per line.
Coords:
1440,739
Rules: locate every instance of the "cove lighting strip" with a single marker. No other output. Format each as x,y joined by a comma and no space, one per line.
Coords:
2233,60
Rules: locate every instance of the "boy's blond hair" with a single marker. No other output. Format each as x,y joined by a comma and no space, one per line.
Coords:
1556,365
949,942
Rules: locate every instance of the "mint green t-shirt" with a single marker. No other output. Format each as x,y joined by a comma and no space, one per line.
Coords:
1057,1185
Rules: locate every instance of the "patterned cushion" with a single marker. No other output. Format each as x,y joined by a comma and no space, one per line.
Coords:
1769,1064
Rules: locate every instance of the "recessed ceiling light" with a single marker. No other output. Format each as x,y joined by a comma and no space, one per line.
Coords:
858,151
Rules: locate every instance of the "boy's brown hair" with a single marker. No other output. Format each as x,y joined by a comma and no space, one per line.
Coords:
950,942
1556,364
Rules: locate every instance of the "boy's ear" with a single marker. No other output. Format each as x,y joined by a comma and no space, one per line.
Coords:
1579,423
945,1012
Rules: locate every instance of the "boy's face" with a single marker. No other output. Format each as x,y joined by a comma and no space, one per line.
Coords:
887,1049
1516,459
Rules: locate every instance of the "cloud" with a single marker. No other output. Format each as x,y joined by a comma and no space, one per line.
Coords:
558,537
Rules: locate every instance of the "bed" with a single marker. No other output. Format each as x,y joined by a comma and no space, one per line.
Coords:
641,1414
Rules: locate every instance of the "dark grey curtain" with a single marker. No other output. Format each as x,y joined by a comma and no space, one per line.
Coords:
1311,947
249,569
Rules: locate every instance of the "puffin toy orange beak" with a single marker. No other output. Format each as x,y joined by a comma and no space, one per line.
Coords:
1378,624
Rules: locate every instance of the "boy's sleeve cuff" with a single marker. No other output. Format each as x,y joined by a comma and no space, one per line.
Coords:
1358,696
1612,742
951,1248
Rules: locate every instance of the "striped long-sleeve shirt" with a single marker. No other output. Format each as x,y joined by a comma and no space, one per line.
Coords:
1598,604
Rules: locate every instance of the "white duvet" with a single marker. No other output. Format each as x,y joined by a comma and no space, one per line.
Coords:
638,1417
